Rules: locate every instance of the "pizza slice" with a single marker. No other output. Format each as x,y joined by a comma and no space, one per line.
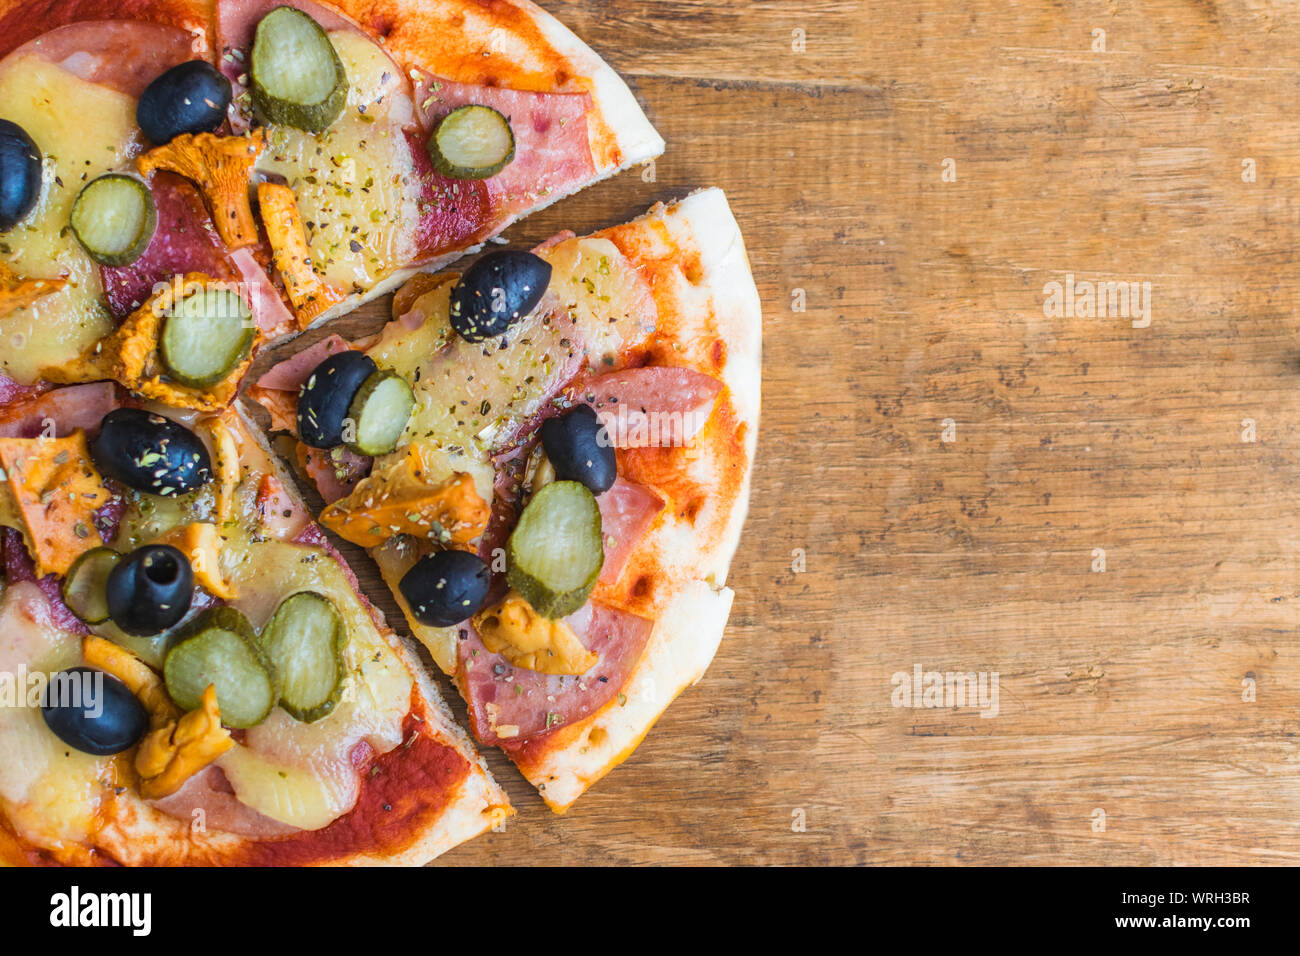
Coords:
309,157
549,458
190,674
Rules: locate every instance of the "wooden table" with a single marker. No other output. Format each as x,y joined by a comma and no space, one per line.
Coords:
917,176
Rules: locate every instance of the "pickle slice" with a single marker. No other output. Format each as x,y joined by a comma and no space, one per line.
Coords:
114,218
205,336
219,647
472,142
298,79
84,588
304,642
555,553
380,411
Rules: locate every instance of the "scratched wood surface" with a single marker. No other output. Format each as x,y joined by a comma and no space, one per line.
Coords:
921,171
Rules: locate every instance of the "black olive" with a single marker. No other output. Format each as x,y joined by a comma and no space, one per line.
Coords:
150,589
189,98
93,712
325,397
20,174
446,587
579,449
150,453
496,292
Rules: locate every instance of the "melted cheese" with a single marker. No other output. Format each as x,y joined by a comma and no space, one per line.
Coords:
467,393
50,792
298,773
604,295
354,182
83,130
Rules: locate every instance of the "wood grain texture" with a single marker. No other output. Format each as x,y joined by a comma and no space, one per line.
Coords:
1120,690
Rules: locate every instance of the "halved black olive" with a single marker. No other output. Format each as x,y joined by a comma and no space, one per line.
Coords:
328,392
150,589
189,98
93,712
446,587
579,449
150,453
496,292
20,174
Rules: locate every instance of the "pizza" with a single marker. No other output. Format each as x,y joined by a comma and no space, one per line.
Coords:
372,130
152,556
546,452
554,476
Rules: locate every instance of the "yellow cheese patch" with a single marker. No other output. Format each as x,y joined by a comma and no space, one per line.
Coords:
83,130
55,490
355,182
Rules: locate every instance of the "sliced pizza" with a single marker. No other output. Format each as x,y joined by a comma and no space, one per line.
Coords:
190,674
549,457
303,158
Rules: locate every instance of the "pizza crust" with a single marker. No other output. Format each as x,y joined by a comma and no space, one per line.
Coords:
683,642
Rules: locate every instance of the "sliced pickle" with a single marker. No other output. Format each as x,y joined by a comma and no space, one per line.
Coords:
304,642
205,336
219,647
298,79
472,142
114,218
84,588
379,412
555,553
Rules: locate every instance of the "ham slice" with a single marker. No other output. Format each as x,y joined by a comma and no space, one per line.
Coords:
552,151
270,313
185,241
508,704
659,406
63,409
289,375
627,510
210,791
12,392
124,55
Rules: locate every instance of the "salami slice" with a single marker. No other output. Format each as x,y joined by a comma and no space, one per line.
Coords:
125,55
184,241
509,705
627,510
655,406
